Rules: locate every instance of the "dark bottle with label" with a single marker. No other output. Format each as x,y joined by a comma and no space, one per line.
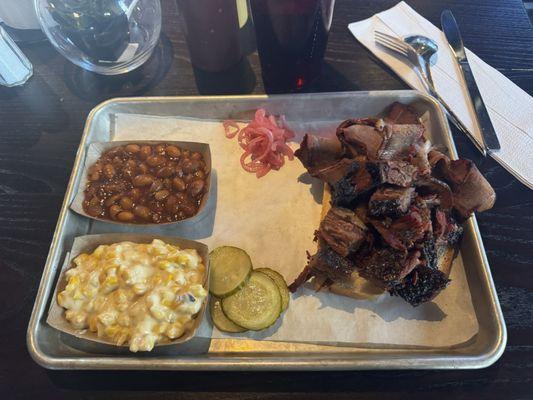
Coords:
212,33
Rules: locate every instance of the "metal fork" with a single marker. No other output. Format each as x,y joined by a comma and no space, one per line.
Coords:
401,48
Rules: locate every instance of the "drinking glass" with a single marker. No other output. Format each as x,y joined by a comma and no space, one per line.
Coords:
291,39
108,37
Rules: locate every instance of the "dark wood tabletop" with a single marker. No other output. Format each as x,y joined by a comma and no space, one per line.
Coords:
40,128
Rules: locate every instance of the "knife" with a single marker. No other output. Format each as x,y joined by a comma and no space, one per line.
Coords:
453,35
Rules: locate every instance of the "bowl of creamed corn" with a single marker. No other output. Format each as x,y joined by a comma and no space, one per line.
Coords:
139,292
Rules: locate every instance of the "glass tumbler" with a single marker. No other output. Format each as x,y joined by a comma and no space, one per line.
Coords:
291,39
108,37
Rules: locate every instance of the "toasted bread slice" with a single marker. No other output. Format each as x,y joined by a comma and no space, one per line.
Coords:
357,287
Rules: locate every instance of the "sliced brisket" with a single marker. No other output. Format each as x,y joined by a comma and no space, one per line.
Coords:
318,152
331,174
446,229
471,191
401,114
402,141
428,186
394,204
360,137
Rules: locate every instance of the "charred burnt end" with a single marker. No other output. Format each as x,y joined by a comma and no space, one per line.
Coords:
390,201
359,180
329,263
420,286
404,232
447,229
384,265
453,234
454,237
429,252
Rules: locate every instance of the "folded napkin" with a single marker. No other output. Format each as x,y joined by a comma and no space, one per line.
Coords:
509,106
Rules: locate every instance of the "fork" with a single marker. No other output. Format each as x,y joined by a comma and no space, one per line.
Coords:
403,49
400,47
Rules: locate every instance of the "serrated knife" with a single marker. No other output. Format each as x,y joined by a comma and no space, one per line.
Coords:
453,35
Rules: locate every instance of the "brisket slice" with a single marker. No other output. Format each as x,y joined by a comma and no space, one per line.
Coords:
401,141
420,286
332,173
342,230
429,252
401,114
446,234
434,156
303,277
318,152
390,201
360,137
471,191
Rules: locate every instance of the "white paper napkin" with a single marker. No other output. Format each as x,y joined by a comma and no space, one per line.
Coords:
509,106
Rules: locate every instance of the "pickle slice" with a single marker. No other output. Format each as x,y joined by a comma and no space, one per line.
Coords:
220,320
257,305
230,268
282,285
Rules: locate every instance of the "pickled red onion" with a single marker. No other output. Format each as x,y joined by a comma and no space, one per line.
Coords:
264,141
230,124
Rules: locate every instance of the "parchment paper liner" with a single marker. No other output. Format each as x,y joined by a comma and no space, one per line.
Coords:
96,149
87,244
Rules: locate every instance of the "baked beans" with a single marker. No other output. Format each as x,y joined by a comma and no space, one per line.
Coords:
143,183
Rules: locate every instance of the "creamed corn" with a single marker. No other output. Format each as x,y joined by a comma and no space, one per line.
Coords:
139,294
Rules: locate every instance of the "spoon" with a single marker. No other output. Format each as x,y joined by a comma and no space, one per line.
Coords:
427,49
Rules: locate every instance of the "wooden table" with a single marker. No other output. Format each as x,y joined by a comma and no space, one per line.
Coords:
40,127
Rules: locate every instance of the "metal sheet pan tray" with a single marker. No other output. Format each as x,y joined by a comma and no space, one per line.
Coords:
52,350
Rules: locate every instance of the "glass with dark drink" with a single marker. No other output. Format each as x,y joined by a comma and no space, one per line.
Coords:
291,38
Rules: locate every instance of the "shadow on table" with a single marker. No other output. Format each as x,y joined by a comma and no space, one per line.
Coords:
91,86
239,79
332,80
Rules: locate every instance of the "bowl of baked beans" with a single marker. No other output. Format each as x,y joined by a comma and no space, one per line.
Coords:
144,182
